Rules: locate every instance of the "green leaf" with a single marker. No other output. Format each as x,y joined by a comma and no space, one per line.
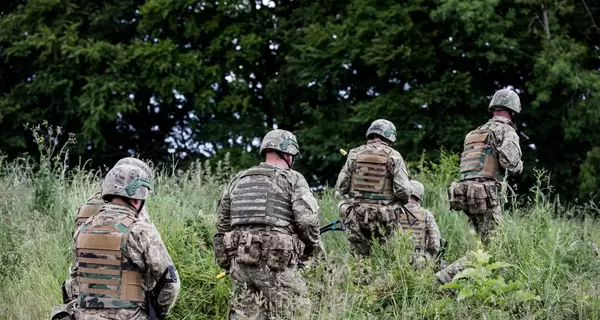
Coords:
452,285
482,257
498,265
522,296
464,294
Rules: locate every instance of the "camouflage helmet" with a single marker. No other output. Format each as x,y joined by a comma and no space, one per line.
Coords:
138,163
383,128
506,98
126,181
418,189
280,140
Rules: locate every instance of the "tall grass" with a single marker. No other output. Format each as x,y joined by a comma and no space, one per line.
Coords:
554,257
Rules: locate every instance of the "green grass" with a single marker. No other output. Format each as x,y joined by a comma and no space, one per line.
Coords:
553,257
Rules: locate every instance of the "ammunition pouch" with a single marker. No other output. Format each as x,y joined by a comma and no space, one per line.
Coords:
457,196
277,251
284,252
492,195
387,214
221,257
250,248
477,201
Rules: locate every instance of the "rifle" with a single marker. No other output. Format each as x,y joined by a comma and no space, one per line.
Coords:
442,253
443,249
407,212
65,295
154,311
332,227
524,137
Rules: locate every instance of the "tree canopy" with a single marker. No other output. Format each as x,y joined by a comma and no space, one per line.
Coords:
199,79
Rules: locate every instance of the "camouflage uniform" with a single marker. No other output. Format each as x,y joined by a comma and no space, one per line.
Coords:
421,223
489,152
90,208
267,222
447,274
119,256
374,183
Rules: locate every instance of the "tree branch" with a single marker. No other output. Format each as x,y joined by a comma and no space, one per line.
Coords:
545,22
590,14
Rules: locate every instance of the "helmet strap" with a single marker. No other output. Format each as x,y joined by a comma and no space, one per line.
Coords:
141,206
128,201
290,165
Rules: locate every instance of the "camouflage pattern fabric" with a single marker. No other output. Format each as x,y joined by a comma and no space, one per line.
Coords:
137,163
506,98
401,184
432,237
507,142
260,293
146,252
256,270
365,220
71,283
479,198
383,128
280,140
447,274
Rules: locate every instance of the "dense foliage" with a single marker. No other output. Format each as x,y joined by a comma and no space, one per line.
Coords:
199,77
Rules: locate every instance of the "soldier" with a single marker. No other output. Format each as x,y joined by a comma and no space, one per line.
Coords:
90,208
120,257
421,222
267,223
489,152
374,183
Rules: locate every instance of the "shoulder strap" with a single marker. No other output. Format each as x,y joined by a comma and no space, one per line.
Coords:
258,171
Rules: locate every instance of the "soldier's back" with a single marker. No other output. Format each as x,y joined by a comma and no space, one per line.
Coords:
97,240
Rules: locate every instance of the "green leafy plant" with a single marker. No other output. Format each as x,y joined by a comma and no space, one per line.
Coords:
481,283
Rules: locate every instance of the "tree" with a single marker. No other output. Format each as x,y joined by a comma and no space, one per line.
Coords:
199,79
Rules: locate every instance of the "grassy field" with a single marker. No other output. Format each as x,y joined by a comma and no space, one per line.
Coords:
554,272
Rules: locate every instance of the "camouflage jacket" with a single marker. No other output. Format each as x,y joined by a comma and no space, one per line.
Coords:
432,232
305,208
401,184
507,143
146,252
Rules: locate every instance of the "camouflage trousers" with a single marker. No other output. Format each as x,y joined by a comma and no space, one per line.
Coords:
260,293
368,221
486,225
479,201
110,314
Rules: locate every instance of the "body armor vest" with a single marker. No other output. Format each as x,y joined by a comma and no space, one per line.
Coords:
255,201
106,279
479,158
370,179
88,209
416,225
